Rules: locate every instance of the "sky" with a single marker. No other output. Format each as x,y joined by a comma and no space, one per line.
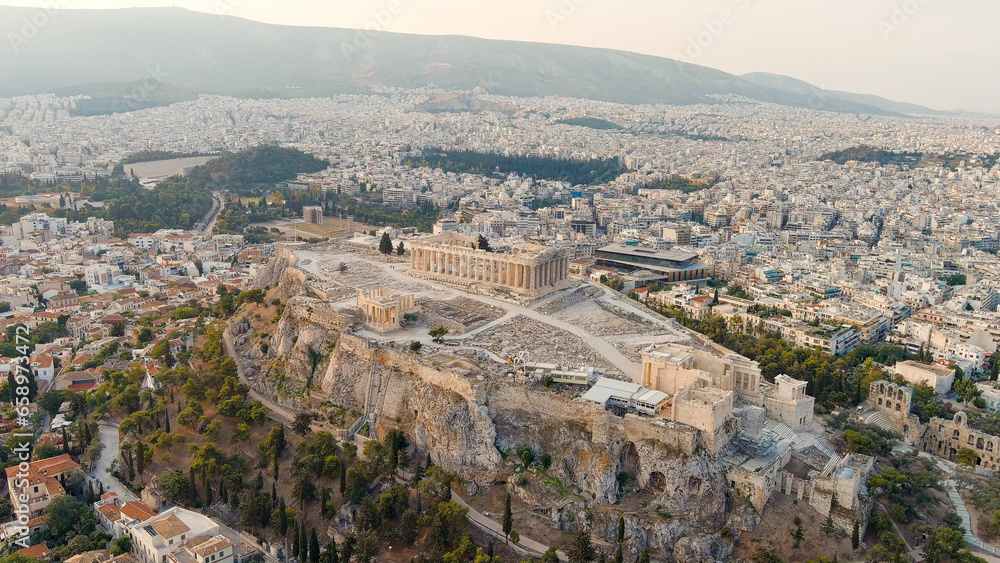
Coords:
943,54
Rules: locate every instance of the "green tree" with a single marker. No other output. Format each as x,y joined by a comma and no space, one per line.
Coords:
966,456
367,546
400,249
122,545
385,245
313,547
438,333
508,517
50,401
282,517
330,554
827,527
582,549
966,390
550,556
483,244
856,536
173,485
797,533
408,527
891,548
240,434
302,424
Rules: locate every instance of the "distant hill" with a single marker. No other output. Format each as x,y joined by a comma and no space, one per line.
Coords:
779,83
109,97
153,56
457,103
256,168
865,153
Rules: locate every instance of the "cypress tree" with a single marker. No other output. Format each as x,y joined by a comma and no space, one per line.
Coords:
65,441
274,491
282,517
856,536
303,540
223,493
343,477
193,484
508,518
330,554
295,543
347,550
621,529
313,547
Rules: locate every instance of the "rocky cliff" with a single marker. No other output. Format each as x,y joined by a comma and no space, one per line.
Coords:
601,465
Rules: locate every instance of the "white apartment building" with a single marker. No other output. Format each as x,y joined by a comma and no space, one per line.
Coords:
39,222
937,376
154,539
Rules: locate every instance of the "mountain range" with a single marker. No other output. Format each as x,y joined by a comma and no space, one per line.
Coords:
140,57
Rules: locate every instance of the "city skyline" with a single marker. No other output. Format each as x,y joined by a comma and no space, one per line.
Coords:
879,47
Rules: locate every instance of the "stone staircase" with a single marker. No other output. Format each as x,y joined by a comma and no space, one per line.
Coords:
782,431
880,420
830,465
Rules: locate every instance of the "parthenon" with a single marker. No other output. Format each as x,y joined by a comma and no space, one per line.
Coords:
527,270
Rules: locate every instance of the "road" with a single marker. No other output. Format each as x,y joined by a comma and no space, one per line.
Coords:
102,469
218,204
491,525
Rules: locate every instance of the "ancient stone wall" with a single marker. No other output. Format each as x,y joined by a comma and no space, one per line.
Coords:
945,437
893,400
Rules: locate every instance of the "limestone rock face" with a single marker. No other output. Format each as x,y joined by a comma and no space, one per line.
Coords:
643,530
274,271
459,436
706,548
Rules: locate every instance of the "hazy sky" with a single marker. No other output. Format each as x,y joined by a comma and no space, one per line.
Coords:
941,53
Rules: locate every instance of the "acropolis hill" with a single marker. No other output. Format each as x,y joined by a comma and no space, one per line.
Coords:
478,396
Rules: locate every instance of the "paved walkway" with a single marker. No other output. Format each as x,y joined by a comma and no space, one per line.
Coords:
496,530
102,468
970,540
